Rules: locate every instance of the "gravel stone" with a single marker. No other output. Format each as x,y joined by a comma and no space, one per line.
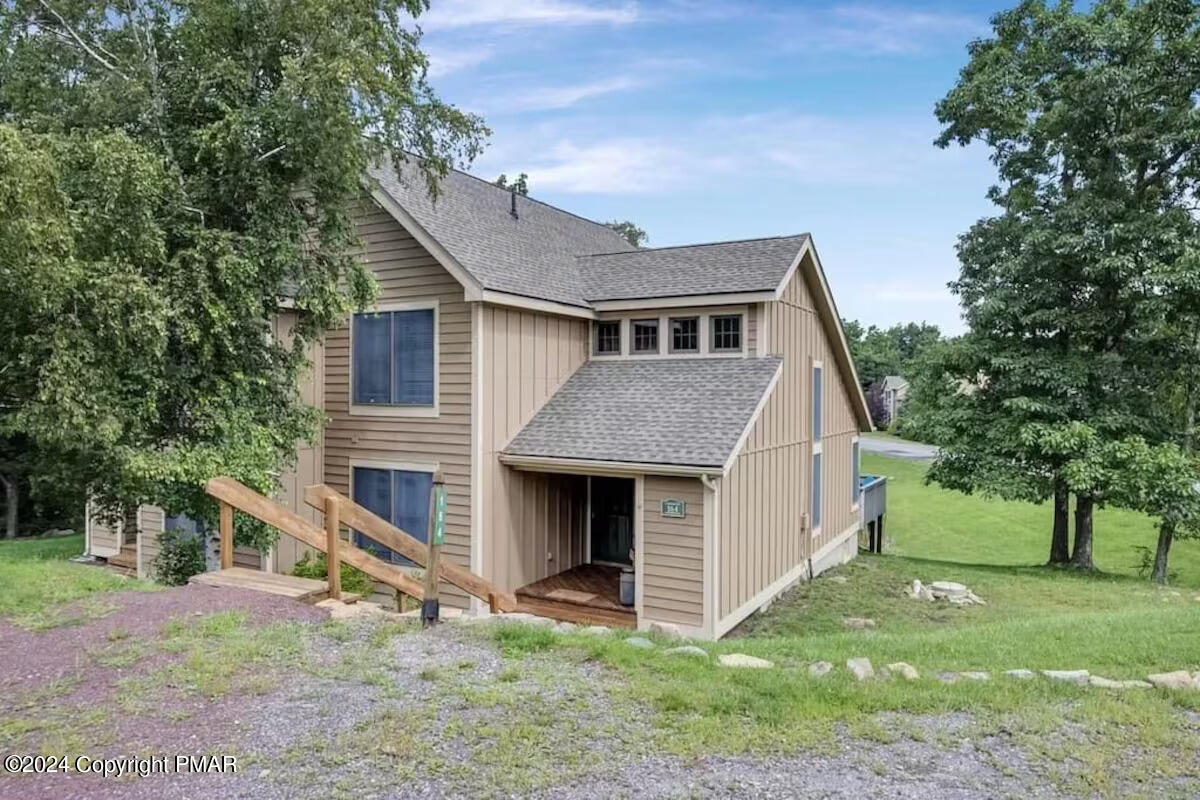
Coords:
687,650
906,671
741,660
1076,676
1020,674
819,669
861,668
640,642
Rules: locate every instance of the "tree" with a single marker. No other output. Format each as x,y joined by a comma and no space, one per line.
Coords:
1092,125
879,352
168,171
630,232
520,185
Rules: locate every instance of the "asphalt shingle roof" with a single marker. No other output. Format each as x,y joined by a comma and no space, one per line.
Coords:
745,266
551,254
532,255
684,411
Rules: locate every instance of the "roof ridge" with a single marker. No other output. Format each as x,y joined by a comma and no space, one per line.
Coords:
539,202
696,244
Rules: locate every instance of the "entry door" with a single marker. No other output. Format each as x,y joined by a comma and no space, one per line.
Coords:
612,519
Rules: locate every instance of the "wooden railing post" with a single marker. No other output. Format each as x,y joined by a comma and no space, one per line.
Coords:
332,562
436,534
226,535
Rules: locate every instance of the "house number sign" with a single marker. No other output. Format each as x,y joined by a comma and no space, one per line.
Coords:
674,508
439,515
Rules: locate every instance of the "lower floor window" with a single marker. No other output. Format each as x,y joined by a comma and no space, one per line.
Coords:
399,496
816,491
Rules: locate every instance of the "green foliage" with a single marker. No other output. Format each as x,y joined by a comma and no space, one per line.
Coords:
180,556
879,352
630,232
168,170
353,580
520,185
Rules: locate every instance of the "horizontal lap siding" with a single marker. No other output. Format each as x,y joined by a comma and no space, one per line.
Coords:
104,539
673,552
150,527
534,524
765,497
405,272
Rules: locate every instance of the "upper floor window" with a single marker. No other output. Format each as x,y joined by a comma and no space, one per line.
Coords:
394,357
685,335
817,400
726,332
645,336
608,337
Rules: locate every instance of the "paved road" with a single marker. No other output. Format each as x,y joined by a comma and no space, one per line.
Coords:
894,448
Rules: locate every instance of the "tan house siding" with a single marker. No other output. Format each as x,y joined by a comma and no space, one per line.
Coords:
673,559
150,526
534,524
103,539
405,273
765,498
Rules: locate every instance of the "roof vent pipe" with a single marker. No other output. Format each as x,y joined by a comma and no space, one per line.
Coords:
513,209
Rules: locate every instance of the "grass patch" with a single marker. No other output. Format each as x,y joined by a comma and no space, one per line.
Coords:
43,590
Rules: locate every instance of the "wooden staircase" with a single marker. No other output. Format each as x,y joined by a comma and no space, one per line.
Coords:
337,508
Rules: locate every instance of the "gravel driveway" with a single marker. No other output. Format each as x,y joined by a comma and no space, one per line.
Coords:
374,708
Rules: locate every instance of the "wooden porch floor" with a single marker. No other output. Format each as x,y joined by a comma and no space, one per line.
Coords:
588,595
306,590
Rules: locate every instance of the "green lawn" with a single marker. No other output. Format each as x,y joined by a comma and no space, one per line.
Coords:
42,589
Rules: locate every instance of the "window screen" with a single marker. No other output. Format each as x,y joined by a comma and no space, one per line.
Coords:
393,358
816,491
727,332
608,337
685,335
855,478
645,336
399,496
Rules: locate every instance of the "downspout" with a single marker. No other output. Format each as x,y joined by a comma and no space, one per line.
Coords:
712,606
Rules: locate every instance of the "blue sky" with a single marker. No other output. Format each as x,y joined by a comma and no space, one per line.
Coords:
704,120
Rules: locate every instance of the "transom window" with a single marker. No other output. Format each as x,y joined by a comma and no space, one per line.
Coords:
645,336
608,337
685,335
727,332
393,359
399,496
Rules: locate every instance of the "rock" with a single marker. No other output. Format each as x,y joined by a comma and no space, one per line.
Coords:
838,578
565,627
819,669
861,668
744,661
687,650
947,589
597,630
640,642
858,623
976,676
948,677
666,629
1105,683
1020,674
1076,676
917,589
1180,679
906,671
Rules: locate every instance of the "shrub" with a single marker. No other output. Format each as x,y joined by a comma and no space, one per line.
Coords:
353,580
180,556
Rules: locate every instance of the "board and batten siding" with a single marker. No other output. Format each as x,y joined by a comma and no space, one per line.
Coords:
533,524
764,499
672,557
405,272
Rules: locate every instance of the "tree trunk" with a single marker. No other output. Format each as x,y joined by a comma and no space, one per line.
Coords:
1060,543
12,498
1081,556
1166,533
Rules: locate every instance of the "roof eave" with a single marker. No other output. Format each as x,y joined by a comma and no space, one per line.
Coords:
585,466
685,300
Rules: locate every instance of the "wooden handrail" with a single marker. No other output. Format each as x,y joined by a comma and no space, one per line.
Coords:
233,494
395,539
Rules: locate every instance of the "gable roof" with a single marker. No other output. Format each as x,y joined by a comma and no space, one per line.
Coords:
748,265
690,412
532,255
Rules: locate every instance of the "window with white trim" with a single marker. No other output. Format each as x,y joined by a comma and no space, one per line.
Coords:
817,400
815,500
394,358
685,334
855,476
399,496
645,336
608,338
726,332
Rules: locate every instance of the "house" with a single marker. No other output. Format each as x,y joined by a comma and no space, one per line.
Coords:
690,413
894,389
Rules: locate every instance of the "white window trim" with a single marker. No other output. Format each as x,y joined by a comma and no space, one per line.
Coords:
403,466
858,493
816,365
816,451
380,410
704,334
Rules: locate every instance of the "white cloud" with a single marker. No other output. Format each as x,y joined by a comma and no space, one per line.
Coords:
464,13
446,61
880,30
611,166
557,97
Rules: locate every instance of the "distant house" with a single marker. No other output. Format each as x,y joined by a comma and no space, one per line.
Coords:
894,389
688,413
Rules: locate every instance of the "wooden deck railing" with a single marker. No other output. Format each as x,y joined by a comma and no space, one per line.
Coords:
339,509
